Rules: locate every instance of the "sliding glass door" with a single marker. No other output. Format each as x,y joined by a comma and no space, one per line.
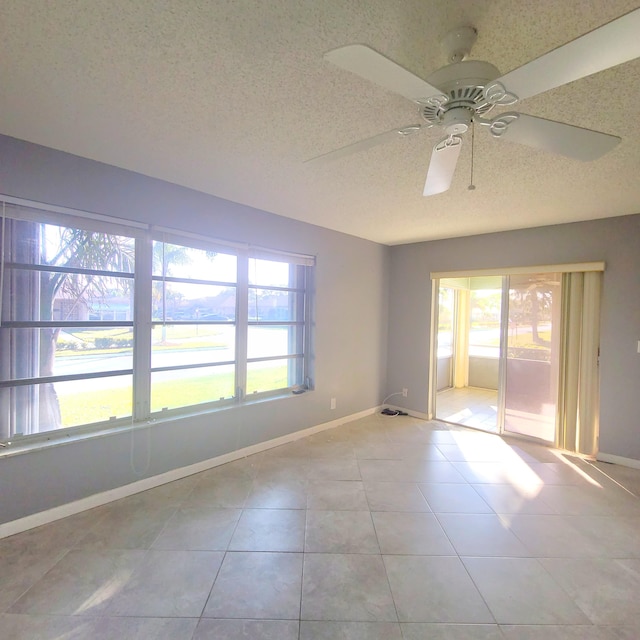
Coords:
532,355
516,352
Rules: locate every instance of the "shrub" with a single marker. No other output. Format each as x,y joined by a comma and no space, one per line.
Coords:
66,345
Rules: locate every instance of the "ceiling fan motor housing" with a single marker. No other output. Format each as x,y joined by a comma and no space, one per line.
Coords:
457,120
462,84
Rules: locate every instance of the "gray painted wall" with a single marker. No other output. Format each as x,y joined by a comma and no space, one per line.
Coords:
350,329
614,240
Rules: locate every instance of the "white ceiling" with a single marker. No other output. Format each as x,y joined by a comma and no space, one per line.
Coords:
230,97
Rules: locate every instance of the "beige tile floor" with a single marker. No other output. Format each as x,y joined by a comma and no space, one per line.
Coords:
469,406
387,528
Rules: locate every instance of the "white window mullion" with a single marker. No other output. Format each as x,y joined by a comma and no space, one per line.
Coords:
242,324
142,328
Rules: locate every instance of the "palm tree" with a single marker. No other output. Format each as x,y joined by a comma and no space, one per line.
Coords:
87,251
66,261
73,265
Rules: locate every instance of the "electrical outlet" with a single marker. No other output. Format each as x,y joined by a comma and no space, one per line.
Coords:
333,403
405,393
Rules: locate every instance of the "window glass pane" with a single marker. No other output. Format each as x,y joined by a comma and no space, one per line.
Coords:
199,302
273,375
66,297
175,345
33,291
65,352
185,262
445,321
56,245
88,250
269,305
196,343
187,387
95,399
533,360
266,342
484,330
531,303
33,409
269,273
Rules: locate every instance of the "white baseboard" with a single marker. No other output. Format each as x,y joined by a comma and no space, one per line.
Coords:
99,499
625,462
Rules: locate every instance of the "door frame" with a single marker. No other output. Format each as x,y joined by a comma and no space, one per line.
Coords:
504,272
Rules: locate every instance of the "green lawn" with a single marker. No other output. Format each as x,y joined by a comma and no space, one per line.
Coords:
94,406
524,339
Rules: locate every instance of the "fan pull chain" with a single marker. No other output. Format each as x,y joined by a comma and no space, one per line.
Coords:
472,186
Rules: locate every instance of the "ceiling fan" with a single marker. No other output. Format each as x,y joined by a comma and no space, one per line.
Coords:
463,92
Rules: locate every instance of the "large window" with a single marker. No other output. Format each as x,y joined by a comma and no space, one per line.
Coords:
104,323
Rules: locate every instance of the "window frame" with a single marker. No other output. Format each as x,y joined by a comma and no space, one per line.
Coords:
303,325
36,382
191,241
142,321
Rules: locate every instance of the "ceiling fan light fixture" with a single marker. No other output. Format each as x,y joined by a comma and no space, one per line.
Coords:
457,120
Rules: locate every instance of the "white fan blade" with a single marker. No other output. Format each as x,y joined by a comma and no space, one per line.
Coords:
610,45
363,145
444,159
557,137
373,66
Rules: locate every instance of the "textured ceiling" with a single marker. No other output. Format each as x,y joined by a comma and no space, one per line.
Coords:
230,97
